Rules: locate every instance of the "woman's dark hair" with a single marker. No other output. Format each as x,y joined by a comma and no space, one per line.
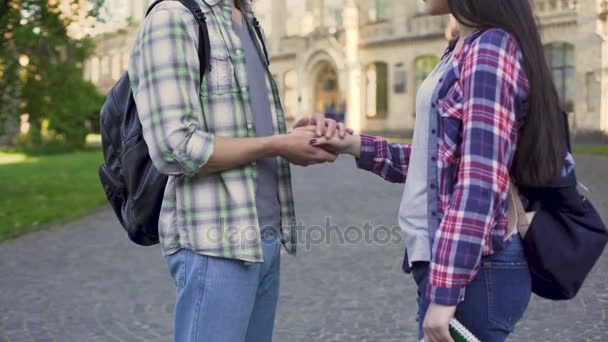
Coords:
542,144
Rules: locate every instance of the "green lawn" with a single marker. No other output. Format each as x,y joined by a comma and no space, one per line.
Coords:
596,149
38,190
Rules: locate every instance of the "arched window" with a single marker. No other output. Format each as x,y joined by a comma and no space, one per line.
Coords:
290,93
376,75
560,57
424,66
380,10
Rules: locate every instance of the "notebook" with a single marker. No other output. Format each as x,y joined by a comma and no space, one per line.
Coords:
460,333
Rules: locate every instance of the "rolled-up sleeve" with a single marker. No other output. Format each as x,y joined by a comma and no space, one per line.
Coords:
389,161
165,80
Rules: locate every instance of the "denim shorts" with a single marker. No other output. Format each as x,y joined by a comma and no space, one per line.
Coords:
495,300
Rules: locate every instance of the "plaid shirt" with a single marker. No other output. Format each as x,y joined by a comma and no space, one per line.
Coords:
477,107
214,214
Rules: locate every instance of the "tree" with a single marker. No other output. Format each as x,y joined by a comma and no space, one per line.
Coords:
41,67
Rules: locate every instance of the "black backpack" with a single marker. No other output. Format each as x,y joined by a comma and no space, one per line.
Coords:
566,237
133,186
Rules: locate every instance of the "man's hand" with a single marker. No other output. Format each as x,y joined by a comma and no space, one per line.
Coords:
324,127
297,147
437,323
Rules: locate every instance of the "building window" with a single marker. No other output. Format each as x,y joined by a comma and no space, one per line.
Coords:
421,7
94,67
105,65
400,81
560,57
593,91
116,67
424,65
126,57
377,90
333,13
290,93
380,10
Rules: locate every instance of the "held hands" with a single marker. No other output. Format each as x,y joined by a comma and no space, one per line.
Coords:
297,148
331,136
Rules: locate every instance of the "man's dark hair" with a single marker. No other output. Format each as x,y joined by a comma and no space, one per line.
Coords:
542,144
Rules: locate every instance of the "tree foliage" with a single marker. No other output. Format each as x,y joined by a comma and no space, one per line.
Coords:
48,83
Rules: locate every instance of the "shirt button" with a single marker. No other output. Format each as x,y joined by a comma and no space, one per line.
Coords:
434,213
433,131
249,126
244,89
433,186
239,52
434,158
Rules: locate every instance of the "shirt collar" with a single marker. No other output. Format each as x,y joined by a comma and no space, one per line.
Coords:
226,5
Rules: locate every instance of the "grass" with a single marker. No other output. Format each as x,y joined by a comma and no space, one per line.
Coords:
399,140
595,149
42,189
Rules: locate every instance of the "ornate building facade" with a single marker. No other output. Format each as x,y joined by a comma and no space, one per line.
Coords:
370,56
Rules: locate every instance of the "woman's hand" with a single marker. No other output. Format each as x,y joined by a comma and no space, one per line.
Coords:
437,323
350,144
325,127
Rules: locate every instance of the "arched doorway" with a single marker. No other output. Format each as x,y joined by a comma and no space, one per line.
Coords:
326,88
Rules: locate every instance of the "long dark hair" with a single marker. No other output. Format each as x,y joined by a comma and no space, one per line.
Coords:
542,142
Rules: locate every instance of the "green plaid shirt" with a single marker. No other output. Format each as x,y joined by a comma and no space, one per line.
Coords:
210,214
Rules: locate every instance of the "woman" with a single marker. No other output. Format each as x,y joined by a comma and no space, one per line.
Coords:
480,117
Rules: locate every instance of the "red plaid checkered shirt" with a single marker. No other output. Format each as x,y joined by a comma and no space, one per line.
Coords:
478,106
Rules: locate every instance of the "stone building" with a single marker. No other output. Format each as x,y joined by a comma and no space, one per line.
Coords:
369,56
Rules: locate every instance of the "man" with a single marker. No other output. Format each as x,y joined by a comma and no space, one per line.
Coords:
228,202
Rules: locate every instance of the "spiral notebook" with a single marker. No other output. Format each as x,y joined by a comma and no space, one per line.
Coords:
460,333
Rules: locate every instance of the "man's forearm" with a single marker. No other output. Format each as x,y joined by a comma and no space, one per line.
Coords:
230,153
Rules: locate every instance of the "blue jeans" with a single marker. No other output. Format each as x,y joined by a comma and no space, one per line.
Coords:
494,301
223,299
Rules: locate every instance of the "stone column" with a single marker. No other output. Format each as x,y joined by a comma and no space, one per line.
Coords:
319,13
350,14
401,12
279,18
604,88
590,62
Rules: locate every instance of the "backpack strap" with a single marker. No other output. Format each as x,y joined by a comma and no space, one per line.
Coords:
258,31
204,45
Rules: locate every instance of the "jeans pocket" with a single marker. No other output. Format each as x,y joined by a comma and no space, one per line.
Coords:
177,267
509,289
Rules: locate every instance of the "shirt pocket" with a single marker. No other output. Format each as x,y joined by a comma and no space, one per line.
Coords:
221,74
450,116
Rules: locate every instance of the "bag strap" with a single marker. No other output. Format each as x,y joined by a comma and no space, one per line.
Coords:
258,31
204,45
